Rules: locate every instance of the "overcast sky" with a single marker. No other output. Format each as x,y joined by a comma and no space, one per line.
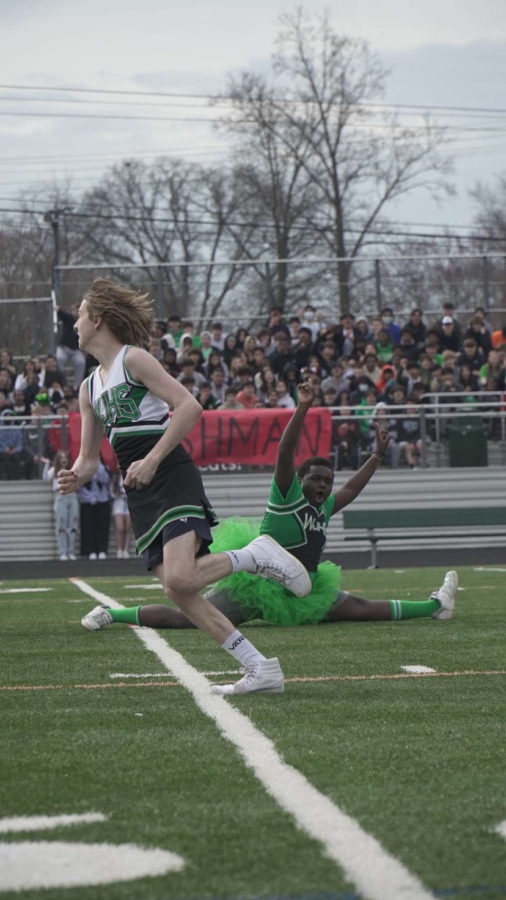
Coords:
439,53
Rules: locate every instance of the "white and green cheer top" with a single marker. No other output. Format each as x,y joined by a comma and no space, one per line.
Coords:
132,417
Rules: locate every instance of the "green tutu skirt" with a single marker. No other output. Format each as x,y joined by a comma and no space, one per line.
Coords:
261,598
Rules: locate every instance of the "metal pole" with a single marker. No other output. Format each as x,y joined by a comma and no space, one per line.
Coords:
52,217
54,321
377,281
423,436
33,320
486,283
268,282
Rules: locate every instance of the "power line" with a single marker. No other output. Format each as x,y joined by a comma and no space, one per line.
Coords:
304,260
109,116
397,223
188,94
100,102
228,104
197,119
383,232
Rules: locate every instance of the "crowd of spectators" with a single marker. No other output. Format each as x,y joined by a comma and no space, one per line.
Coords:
359,368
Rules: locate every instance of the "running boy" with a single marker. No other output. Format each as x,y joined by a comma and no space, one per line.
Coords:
128,396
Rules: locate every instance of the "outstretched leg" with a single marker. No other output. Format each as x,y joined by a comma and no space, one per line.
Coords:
440,605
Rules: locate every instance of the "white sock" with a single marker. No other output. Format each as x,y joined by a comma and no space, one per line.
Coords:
242,560
241,649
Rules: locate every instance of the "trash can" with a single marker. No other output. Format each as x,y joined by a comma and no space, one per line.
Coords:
467,444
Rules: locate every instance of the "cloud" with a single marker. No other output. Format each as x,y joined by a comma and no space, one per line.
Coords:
472,74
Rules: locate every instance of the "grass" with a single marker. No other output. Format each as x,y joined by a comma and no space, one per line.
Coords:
418,762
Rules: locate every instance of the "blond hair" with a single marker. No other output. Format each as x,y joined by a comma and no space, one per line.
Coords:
126,312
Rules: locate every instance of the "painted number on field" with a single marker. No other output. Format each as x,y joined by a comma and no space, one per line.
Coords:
26,865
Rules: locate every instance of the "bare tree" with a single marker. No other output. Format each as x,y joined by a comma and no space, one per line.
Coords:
357,158
27,258
490,220
168,212
277,195
490,217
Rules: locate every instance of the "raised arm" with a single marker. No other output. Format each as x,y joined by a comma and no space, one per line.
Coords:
285,464
359,479
86,464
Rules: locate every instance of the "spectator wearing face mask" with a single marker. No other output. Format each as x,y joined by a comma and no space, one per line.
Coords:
363,385
309,319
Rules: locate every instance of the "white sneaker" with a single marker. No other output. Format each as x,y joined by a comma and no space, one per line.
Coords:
63,556
273,561
262,677
72,556
102,555
92,556
96,619
119,554
446,596
126,554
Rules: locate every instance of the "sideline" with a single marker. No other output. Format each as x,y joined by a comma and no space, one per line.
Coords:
365,863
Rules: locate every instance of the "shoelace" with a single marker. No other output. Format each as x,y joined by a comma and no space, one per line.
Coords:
249,673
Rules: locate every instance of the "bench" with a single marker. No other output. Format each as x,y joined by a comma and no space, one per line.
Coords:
416,523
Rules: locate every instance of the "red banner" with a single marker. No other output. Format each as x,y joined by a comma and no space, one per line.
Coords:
74,442
250,437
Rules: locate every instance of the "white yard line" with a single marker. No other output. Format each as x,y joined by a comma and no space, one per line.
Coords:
44,823
146,587
31,865
417,670
24,590
374,871
501,829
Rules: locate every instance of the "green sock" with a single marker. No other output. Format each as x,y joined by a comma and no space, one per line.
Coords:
129,615
412,609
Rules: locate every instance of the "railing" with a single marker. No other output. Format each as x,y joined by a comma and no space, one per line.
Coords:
25,441
440,416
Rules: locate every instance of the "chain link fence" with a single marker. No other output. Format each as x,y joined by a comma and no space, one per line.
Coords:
240,293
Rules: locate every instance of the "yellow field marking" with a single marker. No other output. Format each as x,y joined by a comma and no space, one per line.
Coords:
295,679
394,676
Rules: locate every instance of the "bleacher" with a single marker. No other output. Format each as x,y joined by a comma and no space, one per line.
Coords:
26,523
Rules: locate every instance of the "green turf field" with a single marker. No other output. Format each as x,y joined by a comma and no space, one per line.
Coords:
418,762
